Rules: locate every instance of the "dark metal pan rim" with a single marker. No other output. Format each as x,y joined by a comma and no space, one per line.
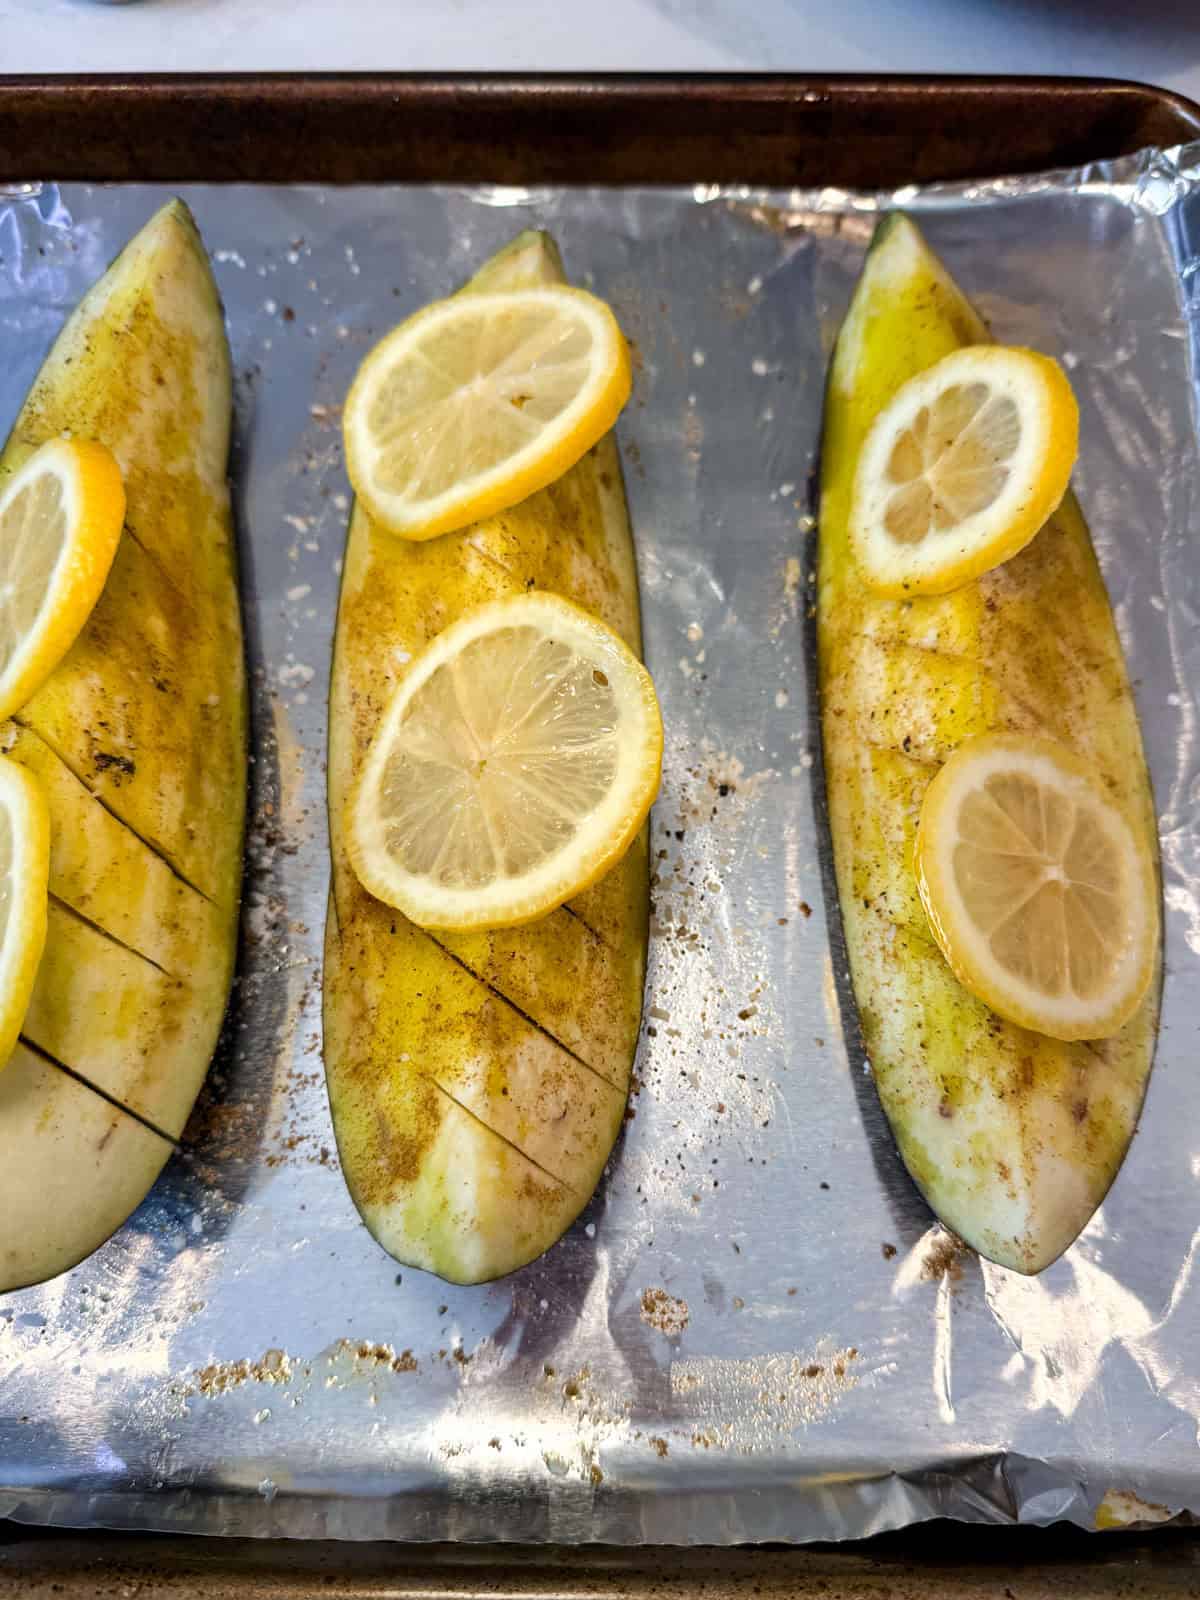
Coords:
771,130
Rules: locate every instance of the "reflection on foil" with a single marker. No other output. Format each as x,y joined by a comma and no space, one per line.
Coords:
753,1332
505,195
107,1462
748,1404
1063,1332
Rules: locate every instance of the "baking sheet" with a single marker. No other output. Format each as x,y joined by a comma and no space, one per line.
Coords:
755,1331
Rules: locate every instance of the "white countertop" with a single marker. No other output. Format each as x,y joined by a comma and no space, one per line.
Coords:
1157,41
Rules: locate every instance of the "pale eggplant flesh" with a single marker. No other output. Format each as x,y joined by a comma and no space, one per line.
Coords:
139,739
478,1081
1012,1137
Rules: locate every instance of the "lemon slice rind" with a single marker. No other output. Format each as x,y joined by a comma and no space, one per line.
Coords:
1121,913
497,435
1035,473
632,738
24,881
91,502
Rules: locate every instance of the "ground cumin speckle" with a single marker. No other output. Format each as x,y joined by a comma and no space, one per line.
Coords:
274,1366
365,1354
664,1313
947,1254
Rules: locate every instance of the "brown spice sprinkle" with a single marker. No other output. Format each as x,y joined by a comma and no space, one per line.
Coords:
274,1366
664,1313
661,1447
378,1355
945,1258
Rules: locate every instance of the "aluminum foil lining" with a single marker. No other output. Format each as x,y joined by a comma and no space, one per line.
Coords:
756,1331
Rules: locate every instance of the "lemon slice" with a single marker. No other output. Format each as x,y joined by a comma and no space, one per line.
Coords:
24,881
962,468
60,522
1041,896
513,767
478,401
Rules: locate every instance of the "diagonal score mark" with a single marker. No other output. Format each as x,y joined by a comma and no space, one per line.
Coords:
53,1061
524,1015
519,583
154,849
76,915
584,923
159,565
516,1148
494,560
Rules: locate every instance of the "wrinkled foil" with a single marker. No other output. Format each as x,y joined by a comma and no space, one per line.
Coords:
756,1331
